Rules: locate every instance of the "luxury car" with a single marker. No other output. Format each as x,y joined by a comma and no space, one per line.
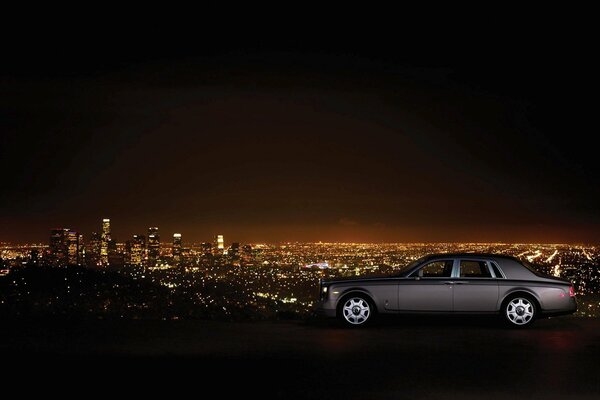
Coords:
451,283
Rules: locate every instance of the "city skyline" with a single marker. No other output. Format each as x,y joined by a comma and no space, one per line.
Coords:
206,238
243,234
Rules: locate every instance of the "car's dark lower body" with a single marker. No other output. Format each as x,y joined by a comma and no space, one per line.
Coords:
556,313
571,308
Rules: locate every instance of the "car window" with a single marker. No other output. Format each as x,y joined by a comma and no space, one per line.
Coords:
437,269
474,269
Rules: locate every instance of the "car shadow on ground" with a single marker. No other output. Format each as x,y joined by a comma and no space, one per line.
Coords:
492,322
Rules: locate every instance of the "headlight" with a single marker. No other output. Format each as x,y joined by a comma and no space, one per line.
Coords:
324,291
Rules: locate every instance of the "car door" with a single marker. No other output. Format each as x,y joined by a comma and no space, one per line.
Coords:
427,289
475,288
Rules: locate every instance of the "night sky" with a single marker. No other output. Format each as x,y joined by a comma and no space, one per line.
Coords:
381,137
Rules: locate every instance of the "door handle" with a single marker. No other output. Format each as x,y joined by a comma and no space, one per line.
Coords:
449,283
460,283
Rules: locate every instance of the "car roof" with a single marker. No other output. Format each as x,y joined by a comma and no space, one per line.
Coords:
468,255
511,266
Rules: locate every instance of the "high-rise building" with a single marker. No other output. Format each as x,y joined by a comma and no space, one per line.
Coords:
233,254
219,244
65,247
94,249
234,249
58,246
137,249
80,250
72,243
153,246
176,249
206,248
115,254
105,239
247,256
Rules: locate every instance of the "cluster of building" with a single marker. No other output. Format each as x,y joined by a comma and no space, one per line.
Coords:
67,247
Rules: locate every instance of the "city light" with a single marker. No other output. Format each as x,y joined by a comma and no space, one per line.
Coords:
270,278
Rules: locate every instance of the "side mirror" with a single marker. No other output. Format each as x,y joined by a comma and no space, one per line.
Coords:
417,278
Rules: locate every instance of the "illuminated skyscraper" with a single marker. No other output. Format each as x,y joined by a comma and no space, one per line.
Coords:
153,246
58,246
137,248
233,254
94,249
72,244
219,244
206,248
105,239
80,250
66,247
176,250
115,254
234,249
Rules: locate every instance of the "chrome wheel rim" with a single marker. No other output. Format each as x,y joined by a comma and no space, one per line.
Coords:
356,310
520,311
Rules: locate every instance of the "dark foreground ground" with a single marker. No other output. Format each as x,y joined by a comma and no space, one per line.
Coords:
397,358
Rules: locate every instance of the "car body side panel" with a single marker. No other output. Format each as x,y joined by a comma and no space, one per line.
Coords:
513,270
509,287
554,298
383,292
475,295
551,297
426,294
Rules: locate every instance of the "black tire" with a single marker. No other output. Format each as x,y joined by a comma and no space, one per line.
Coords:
519,311
356,310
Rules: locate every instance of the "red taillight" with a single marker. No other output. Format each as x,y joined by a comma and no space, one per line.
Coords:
571,291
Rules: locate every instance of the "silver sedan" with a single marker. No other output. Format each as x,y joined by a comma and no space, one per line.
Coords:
452,283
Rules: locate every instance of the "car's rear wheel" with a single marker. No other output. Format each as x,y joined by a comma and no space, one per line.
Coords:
519,311
356,310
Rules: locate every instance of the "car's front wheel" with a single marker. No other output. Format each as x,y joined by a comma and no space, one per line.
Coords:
519,311
356,310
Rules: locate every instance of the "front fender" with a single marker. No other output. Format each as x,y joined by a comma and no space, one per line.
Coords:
345,291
